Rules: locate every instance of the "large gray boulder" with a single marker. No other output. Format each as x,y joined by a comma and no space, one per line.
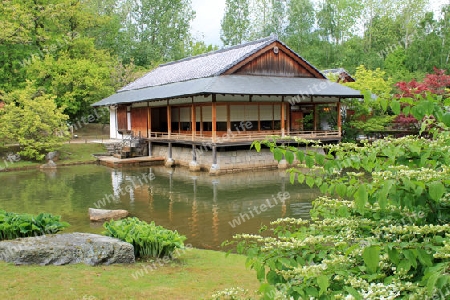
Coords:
63,249
101,215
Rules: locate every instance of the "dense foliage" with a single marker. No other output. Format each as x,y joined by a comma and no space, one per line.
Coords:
381,230
403,38
14,225
149,240
32,119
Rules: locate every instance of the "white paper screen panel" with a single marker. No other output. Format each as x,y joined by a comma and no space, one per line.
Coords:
237,113
266,112
221,113
251,113
207,113
277,112
198,110
185,114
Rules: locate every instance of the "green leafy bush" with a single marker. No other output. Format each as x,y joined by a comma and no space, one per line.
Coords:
14,225
148,240
382,228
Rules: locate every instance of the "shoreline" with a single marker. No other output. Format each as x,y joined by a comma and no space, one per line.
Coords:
28,168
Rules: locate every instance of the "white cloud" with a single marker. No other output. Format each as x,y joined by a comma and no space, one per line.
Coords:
206,25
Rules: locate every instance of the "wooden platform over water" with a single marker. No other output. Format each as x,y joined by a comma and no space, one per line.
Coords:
114,162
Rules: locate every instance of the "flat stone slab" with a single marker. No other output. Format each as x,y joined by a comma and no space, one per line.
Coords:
101,215
70,248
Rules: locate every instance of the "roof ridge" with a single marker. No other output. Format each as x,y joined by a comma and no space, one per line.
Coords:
265,41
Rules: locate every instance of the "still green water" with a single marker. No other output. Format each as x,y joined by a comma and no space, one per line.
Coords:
206,209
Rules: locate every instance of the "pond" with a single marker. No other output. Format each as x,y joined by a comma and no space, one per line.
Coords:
207,209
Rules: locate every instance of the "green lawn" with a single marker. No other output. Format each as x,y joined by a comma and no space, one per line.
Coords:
197,274
70,153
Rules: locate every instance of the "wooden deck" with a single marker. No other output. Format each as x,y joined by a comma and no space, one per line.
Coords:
113,162
243,137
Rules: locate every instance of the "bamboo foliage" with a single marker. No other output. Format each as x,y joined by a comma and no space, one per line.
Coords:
149,240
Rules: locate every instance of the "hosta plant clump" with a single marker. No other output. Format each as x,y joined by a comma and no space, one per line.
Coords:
148,239
13,225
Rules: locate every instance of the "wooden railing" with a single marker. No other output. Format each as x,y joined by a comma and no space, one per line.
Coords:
243,136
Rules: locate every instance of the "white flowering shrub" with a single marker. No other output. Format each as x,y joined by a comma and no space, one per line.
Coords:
381,230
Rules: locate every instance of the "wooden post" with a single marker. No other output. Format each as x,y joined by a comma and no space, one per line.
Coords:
149,122
315,117
201,120
150,148
288,117
193,121
228,118
169,119
259,118
214,118
339,117
283,116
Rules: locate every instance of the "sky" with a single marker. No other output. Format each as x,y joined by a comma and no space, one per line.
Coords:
209,13
206,25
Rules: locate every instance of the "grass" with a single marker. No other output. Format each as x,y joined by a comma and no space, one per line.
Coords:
69,154
197,274
92,130
76,151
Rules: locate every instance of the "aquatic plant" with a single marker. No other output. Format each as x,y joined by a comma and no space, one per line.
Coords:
149,240
13,225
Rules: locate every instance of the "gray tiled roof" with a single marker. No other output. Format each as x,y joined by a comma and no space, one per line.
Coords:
201,66
237,85
336,72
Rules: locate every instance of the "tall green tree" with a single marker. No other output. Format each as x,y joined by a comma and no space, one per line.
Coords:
159,30
430,47
300,34
337,23
337,20
77,76
268,17
235,22
32,119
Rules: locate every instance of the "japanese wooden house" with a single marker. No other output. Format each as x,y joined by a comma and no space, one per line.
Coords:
229,98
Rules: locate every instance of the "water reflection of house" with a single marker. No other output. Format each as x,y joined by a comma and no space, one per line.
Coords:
204,207
224,100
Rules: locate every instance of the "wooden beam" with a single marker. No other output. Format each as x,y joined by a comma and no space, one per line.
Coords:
149,121
315,117
201,120
228,118
339,117
283,116
169,120
259,118
193,121
214,118
288,115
